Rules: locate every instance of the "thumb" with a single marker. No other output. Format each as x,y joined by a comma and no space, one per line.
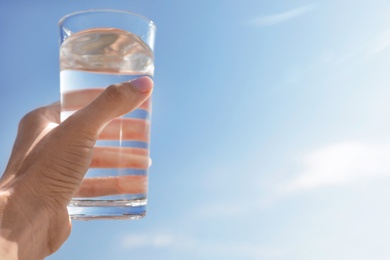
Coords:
114,101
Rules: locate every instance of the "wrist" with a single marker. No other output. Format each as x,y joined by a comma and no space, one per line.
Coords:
23,227
8,248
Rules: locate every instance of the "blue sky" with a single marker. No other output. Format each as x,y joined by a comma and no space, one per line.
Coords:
270,135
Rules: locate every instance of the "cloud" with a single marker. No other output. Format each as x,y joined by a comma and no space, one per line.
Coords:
282,17
379,43
340,164
172,241
156,240
242,250
361,52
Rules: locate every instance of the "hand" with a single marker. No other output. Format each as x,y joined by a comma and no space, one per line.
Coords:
47,165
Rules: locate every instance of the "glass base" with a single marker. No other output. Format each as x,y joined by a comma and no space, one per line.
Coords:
81,209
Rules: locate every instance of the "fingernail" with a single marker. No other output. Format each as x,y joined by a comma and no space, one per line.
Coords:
142,84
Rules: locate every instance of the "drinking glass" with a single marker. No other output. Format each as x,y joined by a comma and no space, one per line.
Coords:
99,48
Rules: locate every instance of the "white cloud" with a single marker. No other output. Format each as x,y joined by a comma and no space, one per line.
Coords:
242,250
341,163
189,244
156,240
379,43
282,17
361,52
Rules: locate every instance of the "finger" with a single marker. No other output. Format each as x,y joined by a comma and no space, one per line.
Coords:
113,102
146,105
126,129
77,99
119,157
105,186
63,159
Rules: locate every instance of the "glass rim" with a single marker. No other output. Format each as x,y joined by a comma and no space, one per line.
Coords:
62,19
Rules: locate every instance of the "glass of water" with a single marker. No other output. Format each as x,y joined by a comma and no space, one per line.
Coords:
99,48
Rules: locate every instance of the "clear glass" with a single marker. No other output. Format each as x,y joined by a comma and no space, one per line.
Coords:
99,48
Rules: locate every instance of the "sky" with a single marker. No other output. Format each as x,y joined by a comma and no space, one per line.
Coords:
270,129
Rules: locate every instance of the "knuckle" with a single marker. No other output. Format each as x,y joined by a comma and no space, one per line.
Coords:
36,116
31,117
32,114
